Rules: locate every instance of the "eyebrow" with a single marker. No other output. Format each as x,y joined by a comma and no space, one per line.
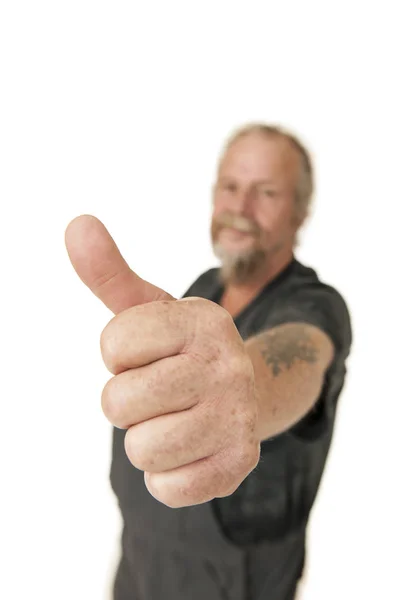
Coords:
257,182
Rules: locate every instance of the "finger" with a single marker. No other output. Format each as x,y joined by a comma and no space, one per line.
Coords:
147,392
173,440
99,264
196,483
153,331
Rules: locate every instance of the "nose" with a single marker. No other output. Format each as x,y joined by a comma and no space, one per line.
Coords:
242,202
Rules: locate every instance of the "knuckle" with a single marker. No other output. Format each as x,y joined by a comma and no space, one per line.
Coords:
161,492
239,368
199,302
186,491
195,305
189,491
248,458
255,456
212,314
239,374
225,320
229,490
229,483
170,499
137,454
229,479
109,403
108,346
245,369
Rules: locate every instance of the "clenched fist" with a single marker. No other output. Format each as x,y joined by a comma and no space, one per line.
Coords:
182,385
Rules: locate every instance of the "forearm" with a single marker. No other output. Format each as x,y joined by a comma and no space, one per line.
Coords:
289,365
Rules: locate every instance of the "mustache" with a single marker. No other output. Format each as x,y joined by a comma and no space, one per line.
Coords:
236,222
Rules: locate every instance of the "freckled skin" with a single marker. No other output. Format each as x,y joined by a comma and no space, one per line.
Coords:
185,395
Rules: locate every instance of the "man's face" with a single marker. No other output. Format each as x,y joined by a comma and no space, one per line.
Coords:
254,211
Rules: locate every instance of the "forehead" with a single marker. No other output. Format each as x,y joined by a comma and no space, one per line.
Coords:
258,157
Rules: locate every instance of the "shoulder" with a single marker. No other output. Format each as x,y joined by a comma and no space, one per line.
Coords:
205,285
305,297
304,284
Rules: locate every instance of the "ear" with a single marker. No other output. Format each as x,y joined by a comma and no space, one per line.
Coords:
300,214
297,220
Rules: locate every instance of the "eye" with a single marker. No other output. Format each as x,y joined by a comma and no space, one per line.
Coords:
228,187
268,193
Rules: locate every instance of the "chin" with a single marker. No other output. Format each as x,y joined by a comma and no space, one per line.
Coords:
228,253
239,266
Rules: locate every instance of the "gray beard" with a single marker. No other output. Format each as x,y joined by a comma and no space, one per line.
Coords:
239,268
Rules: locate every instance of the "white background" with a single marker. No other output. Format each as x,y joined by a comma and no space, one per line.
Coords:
119,109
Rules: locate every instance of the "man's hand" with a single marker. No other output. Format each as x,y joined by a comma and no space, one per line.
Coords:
183,384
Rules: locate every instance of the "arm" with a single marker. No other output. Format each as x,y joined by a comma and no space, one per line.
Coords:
289,363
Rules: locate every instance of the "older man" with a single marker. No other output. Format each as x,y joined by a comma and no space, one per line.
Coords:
226,398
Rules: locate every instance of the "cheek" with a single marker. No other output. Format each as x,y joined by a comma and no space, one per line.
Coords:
266,218
220,205
275,221
217,210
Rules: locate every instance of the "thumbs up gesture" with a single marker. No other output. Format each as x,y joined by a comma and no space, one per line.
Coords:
183,384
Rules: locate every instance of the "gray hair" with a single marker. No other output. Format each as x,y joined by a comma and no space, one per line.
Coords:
305,184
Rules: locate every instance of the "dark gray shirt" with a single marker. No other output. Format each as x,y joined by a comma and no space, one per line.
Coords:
278,495
250,545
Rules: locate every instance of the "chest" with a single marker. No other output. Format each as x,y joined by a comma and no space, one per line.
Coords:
235,303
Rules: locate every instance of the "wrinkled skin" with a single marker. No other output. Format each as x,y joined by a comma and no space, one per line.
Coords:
183,384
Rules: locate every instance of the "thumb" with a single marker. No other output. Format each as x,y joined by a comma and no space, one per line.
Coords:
99,264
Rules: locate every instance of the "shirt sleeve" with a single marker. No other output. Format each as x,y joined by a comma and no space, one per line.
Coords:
322,306
319,305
